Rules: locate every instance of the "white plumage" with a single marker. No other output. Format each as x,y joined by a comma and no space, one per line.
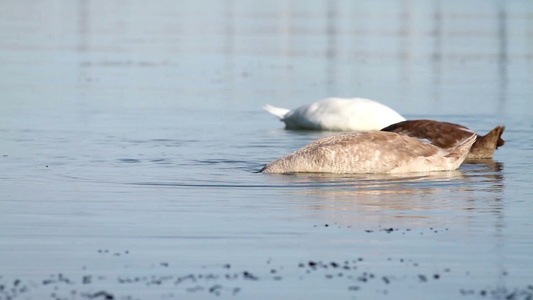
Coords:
337,114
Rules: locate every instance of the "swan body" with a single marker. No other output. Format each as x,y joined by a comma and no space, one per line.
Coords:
447,135
372,152
338,114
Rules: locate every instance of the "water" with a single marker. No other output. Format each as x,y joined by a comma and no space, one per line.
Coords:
131,132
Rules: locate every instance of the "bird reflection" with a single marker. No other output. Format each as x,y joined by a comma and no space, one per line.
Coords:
378,199
488,171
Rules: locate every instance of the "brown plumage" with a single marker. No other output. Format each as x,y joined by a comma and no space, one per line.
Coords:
446,135
372,152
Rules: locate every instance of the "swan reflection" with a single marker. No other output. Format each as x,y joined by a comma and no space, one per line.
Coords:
377,199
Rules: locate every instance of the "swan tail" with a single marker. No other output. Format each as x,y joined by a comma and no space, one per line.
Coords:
276,111
460,151
485,145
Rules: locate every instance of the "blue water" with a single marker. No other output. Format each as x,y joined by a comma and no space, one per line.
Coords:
131,133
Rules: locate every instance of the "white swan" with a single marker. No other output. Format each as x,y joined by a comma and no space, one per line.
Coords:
338,114
372,152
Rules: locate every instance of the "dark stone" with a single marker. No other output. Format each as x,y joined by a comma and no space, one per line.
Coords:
249,276
105,295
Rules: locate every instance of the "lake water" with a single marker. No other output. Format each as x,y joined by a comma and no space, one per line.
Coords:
131,133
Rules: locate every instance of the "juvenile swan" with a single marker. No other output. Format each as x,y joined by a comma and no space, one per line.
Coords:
371,152
447,135
337,114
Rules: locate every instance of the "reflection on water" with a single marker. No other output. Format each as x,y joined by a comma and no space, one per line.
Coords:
422,49
357,198
487,171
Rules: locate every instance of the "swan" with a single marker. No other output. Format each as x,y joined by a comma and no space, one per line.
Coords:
445,135
338,114
372,152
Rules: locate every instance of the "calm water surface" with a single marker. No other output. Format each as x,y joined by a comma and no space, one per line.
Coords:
131,133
